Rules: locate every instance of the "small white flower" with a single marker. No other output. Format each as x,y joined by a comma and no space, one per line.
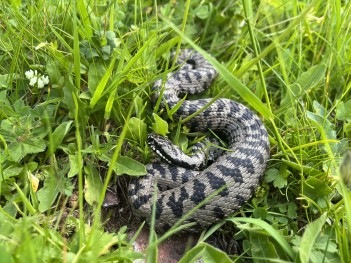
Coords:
33,80
40,83
29,74
45,79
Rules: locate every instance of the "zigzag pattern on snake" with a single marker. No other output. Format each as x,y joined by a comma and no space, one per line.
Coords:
180,186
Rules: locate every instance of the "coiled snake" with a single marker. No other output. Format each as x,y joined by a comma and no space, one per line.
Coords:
180,187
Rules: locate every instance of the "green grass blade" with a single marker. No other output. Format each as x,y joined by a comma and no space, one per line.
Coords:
309,237
76,52
80,173
102,84
85,18
25,200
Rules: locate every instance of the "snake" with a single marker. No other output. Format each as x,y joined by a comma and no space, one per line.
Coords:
187,185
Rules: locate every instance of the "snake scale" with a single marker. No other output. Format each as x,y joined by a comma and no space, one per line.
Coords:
180,185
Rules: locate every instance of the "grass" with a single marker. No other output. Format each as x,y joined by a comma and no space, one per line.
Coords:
287,60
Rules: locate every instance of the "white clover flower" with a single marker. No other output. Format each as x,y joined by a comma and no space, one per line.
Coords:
35,78
40,83
29,74
45,79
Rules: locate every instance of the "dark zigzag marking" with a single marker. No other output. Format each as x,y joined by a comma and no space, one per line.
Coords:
217,183
234,173
219,213
247,163
252,152
177,206
137,187
241,199
159,207
198,192
141,200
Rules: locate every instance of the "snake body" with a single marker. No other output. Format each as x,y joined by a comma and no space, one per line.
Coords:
180,186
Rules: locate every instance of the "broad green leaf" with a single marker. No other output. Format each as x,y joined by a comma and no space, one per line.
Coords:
271,174
343,112
160,126
11,171
95,74
93,185
17,150
32,166
202,12
137,130
314,188
262,247
260,212
4,100
11,207
139,105
6,109
277,236
21,108
59,134
126,165
48,194
207,253
292,211
102,241
303,84
282,220
74,165
278,177
54,74
183,142
212,254
309,237
311,77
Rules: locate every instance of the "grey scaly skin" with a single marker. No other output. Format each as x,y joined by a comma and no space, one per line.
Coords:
238,171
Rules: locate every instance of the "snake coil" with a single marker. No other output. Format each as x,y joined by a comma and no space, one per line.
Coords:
180,185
